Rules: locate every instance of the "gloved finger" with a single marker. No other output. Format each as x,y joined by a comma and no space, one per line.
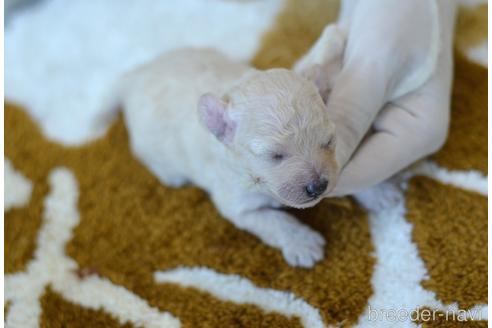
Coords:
322,63
400,138
358,94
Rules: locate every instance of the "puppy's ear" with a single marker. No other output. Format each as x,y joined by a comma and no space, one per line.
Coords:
323,62
213,115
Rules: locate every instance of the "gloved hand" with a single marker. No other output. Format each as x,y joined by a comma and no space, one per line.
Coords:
390,100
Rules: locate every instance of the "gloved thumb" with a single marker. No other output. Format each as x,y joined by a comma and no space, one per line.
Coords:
358,94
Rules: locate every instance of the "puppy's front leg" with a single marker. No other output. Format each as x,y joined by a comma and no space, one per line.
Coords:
300,245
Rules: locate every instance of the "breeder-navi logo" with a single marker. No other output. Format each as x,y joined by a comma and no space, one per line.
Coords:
423,315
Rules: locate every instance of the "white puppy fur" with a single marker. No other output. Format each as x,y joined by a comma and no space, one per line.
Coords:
254,140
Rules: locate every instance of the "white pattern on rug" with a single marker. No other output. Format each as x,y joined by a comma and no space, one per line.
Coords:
61,57
234,288
478,53
469,180
16,186
399,269
52,266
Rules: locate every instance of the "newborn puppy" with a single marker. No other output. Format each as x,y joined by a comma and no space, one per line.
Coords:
254,140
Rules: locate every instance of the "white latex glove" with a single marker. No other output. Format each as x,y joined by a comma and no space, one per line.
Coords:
390,101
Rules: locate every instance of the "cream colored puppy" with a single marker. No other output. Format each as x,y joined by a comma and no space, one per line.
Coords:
254,140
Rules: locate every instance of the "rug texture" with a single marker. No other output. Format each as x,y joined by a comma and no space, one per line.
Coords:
92,239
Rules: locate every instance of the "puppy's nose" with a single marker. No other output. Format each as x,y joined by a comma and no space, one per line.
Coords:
316,188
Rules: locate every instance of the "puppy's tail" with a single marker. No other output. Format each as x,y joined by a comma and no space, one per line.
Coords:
110,107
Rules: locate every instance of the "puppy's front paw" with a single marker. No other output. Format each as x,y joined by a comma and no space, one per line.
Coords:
303,248
300,245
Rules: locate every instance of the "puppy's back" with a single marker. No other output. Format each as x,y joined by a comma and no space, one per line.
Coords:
159,102
171,84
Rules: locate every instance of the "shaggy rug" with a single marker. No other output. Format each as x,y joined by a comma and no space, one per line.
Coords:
93,240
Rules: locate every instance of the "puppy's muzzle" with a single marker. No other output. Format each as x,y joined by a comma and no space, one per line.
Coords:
316,188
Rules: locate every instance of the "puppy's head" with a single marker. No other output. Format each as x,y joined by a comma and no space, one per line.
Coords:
276,125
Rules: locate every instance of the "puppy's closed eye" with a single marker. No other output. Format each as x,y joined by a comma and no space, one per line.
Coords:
329,145
277,157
